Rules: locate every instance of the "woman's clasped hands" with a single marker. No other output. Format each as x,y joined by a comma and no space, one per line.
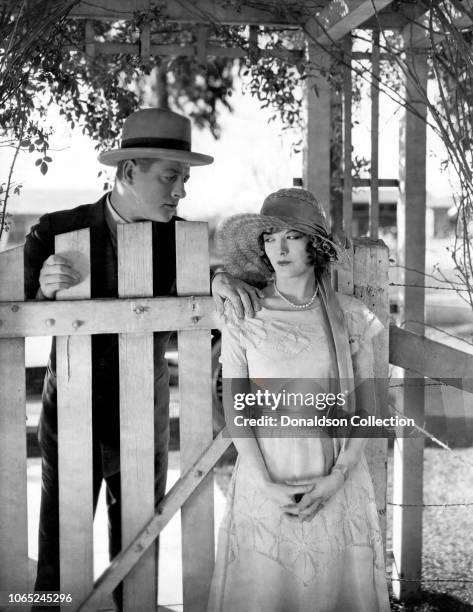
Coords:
302,501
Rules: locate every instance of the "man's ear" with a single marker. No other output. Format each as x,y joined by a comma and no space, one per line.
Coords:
129,169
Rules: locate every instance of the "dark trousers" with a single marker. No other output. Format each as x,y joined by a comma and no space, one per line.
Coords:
47,578
48,574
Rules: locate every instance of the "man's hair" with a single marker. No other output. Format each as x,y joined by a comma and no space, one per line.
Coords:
143,163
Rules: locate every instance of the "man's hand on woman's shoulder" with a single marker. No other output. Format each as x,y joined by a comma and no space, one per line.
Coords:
244,298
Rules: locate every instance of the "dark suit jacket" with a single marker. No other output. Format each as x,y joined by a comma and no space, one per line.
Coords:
104,284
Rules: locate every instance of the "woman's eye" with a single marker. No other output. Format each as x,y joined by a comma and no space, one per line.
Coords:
294,236
268,239
170,178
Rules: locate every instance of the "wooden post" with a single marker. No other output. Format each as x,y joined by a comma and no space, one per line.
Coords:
374,190
13,500
145,43
370,274
74,421
198,549
318,129
347,138
343,270
409,453
202,37
89,39
135,279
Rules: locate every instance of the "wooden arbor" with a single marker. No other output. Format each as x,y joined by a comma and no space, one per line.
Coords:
327,25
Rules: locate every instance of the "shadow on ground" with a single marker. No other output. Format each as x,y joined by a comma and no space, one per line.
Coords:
428,601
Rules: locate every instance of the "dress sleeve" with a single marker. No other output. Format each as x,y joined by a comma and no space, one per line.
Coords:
233,357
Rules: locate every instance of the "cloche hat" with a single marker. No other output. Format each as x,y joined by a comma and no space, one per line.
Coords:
155,133
293,208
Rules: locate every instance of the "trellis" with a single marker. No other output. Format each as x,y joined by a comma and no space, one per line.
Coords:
326,24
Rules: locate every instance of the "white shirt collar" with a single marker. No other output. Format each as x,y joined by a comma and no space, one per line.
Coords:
116,218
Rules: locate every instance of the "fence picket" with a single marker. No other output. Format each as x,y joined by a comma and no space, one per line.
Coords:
13,507
135,278
74,398
192,259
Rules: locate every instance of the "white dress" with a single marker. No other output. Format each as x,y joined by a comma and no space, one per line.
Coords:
265,562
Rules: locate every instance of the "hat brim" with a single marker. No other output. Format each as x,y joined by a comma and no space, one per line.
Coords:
237,241
112,157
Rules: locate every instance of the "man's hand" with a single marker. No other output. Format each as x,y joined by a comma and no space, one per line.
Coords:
57,273
321,491
244,298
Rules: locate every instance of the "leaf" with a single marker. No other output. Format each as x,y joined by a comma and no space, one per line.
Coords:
38,162
31,148
44,168
47,158
25,143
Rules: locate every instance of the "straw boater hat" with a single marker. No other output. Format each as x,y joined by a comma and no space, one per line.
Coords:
155,133
292,208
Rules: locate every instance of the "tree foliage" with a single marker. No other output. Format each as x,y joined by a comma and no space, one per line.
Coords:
43,62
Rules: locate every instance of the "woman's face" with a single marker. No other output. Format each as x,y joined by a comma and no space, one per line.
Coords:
287,252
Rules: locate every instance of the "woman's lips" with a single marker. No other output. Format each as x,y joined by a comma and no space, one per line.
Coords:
283,262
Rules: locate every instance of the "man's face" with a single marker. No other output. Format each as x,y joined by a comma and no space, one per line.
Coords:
156,191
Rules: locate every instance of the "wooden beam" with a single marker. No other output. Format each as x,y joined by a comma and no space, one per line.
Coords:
145,42
347,138
366,182
318,130
89,39
175,50
339,18
173,501
374,187
426,357
202,36
397,15
216,12
103,316
13,496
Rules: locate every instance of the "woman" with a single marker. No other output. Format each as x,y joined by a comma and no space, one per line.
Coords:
301,530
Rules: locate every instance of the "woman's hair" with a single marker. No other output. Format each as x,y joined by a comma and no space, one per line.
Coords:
320,251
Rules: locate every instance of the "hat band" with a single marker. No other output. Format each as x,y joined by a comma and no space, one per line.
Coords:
156,143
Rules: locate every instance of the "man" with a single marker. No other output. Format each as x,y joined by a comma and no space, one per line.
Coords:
153,165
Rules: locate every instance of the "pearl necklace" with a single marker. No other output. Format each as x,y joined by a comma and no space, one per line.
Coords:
298,306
